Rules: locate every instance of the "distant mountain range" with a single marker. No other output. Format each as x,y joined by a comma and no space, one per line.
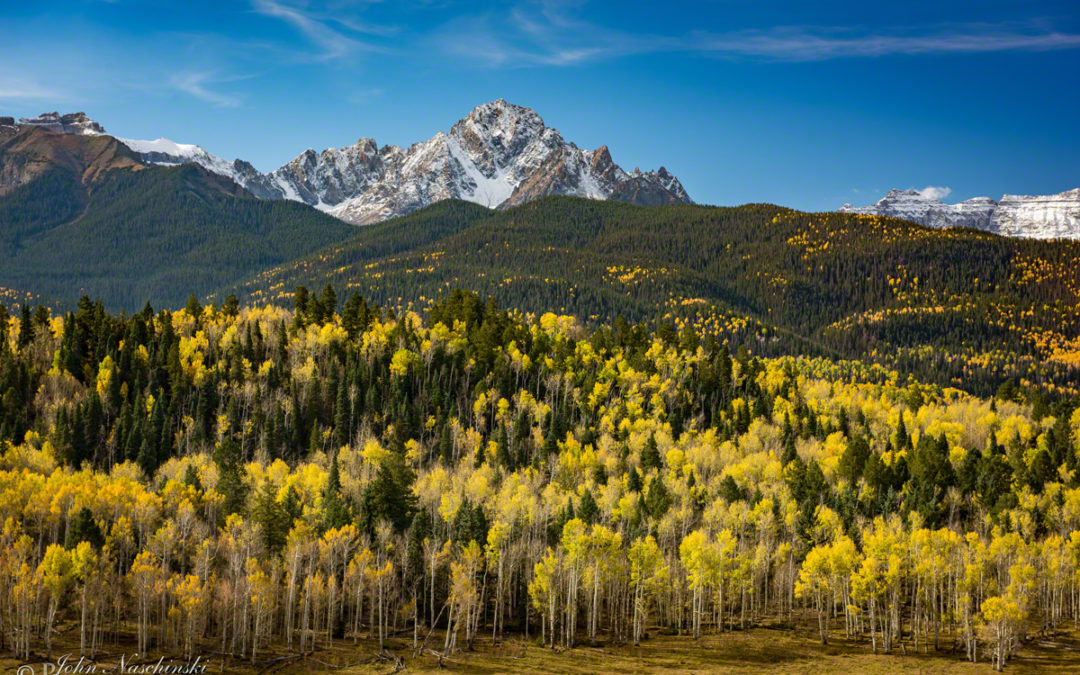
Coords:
500,155
82,213
1040,217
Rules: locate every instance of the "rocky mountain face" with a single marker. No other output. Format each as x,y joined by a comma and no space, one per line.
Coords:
1045,217
651,188
335,175
499,155
1042,217
29,151
914,206
72,123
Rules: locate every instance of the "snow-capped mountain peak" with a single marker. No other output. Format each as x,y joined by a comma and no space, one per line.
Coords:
498,155
1042,217
164,152
918,207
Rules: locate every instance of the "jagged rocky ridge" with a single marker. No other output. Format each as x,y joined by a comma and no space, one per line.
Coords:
72,123
28,151
499,155
1040,217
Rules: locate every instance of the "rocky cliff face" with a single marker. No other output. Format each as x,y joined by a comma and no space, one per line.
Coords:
912,205
652,188
72,123
499,155
1042,217
1045,217
332,176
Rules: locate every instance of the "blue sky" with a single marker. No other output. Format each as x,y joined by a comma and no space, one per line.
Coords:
809,105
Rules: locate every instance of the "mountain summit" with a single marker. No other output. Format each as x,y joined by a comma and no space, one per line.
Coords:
1041,217
72,123
499,155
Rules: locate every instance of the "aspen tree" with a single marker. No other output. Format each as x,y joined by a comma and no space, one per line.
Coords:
815,582
544,593
84,563
264,596
648,574
356,579
143,577
190,601
56,577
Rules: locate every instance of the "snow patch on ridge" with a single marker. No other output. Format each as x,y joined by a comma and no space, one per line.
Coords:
1038,217
489,192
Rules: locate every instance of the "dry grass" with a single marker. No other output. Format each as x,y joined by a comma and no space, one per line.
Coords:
760,650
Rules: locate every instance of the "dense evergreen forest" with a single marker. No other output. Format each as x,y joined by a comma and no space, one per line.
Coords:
157,233
960,308
261,480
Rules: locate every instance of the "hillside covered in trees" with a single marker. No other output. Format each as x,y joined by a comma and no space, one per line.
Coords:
961,308
264,481
149,234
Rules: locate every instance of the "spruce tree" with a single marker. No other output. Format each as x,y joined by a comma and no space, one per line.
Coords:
588,509
335,512
26,327
650,454
84,528
194,309
232,306
230,483
342,416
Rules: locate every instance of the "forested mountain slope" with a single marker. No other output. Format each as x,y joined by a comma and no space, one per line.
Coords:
153,234
958,307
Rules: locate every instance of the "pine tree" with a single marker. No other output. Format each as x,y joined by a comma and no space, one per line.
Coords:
230,483
650,454
328,301
657,500
790,454
84,528
272,517
26,327
232,306
191,477
446,445
194,309
588,510
342,416
301,302
335,512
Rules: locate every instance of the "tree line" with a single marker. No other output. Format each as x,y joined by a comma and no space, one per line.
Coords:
959,308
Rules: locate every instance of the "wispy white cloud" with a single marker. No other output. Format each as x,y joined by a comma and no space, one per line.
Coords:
527,35
362,96
11,89
332,43
366,27
933,192
794,43
551,34
195,84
